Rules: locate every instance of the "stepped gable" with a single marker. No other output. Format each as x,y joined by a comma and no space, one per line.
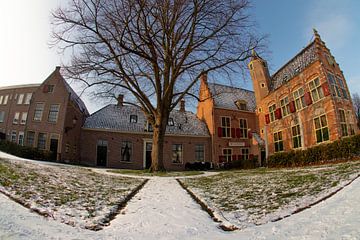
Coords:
295,66
226,96
117,118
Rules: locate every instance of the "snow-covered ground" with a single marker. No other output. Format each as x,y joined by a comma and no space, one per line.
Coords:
163,210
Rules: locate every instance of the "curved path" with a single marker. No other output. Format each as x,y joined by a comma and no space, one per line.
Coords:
163,210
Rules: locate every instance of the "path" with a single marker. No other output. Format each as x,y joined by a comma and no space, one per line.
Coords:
163,210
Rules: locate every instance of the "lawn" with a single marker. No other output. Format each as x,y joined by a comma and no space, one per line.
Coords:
158,174
253,197
69,194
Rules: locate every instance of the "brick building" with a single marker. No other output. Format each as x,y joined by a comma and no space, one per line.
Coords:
119,136
48,116
229,114
305,103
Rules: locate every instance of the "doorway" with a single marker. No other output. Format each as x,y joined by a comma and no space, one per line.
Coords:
54,148
101,153
262,158
147,160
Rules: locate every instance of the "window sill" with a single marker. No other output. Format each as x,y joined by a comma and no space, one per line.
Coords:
126,162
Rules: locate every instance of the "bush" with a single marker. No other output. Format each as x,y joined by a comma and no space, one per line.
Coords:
199,166
24,151
341,149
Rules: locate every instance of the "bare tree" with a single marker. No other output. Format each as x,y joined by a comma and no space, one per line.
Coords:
356,103
153,50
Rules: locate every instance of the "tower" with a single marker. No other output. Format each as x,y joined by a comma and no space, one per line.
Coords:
260,76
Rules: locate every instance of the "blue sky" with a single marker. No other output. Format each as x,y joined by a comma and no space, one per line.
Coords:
25,56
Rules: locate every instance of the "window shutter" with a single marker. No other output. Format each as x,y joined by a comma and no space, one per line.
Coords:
326,89
45,88
238,132
233,132
267,118
249,135
219,131
278,113
292,106
308,99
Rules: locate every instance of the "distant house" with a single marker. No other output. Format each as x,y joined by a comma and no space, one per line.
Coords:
305,103
119,136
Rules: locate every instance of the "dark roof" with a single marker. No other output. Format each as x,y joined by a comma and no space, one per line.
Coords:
113,117
295,66
226,96
76,99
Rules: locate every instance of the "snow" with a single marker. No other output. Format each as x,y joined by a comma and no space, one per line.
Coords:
163,210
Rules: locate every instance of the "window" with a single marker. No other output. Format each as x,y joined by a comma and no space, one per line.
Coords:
225,127
133,118
126,151
48,88
321,129
39,108
177,153
30,136
200,152
2,116
241,105
53,113
343,89
316,90
351,122
6,98
16,118
67,148
296,136
171,122
344,130
21,138
245,153
333,85
227,152
20,99
243,128
299,99
278,141
272,109
23,118
285,106
41,144
13,136
149,127
1,99
28,98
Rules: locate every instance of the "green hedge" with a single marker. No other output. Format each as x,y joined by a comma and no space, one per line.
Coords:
24,152
341,149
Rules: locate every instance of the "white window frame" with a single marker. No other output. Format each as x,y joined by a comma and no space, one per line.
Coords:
23,118
21,138
272,109
299,98
243,129
316,90
28,98
321,129
39,111
53,113
224,128
226,154
175,152
20,99
16,118
285,106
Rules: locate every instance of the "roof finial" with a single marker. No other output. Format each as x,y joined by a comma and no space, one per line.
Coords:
316,34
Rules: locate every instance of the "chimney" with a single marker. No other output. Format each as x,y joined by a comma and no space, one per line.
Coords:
182,105
120,100
203,78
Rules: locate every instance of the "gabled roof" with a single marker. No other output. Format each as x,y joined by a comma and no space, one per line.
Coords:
295,66
33,85
76,99
117,118
226,96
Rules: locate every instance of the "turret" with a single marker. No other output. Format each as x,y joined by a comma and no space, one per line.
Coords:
260,76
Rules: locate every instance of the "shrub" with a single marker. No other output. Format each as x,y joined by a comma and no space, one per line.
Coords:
199,166
341,149
24,151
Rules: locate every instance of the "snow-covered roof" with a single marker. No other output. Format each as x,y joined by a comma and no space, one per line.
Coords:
226,97
114,117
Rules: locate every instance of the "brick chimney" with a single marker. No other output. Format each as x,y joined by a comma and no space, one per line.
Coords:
120,100
182,105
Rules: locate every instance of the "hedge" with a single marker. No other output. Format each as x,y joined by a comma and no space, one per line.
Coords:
345,148
24,151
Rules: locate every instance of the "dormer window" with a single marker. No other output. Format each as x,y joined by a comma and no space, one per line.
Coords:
241,105
149,127
171,122
133,118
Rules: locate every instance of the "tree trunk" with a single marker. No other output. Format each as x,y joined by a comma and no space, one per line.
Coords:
157,153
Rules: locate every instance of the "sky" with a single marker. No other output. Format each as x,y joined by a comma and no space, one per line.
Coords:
26,57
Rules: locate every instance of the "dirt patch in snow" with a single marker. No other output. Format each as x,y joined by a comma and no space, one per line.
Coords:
72,195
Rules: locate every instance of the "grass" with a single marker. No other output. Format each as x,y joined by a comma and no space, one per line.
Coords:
157,174
73,195
261,193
